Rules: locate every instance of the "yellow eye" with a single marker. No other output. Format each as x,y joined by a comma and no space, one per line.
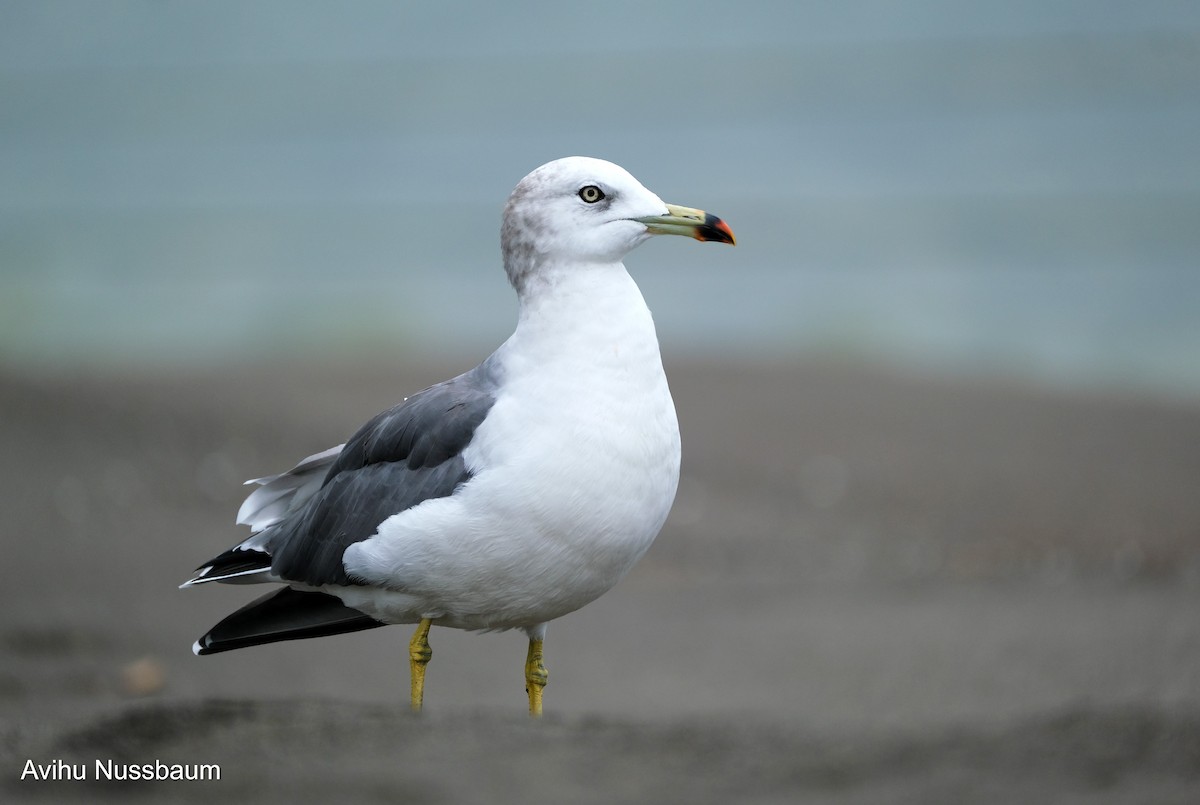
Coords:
591,194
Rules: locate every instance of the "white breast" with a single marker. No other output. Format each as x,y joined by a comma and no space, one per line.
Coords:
575,469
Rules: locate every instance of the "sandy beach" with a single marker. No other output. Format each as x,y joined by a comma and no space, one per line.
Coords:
874,587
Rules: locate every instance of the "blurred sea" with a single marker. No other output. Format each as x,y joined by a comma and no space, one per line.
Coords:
957,186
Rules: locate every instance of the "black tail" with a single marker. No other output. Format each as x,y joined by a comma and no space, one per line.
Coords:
284,614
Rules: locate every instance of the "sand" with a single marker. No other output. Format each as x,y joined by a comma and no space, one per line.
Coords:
875,587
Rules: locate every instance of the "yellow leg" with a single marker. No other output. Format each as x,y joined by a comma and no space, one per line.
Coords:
419,654
535,677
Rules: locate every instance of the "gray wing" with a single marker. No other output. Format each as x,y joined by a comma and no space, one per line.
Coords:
405,455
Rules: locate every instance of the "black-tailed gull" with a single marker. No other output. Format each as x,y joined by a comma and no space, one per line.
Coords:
505,497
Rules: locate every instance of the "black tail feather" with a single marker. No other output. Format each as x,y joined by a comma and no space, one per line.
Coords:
236,560
285,614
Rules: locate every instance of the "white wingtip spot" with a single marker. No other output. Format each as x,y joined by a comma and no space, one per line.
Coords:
196,648
196,579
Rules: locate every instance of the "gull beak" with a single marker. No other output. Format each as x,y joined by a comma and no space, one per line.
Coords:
696,224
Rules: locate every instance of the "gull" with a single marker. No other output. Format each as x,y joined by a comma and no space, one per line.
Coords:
510,495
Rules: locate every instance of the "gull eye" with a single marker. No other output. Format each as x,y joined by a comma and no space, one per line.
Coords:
591,194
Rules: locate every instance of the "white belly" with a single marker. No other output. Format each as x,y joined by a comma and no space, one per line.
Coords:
576,467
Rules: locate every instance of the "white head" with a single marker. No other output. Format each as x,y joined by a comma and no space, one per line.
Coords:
581,210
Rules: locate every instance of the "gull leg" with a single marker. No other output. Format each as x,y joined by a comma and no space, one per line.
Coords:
535,677
419,654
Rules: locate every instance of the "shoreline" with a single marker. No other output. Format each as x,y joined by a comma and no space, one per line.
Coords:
925,587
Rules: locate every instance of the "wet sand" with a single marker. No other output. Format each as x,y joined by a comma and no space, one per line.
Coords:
875,587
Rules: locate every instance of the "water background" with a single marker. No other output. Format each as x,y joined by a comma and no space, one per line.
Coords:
963,187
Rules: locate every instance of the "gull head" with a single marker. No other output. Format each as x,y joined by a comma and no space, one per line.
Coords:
580,211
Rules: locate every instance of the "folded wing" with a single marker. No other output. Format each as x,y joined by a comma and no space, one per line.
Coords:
305,518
